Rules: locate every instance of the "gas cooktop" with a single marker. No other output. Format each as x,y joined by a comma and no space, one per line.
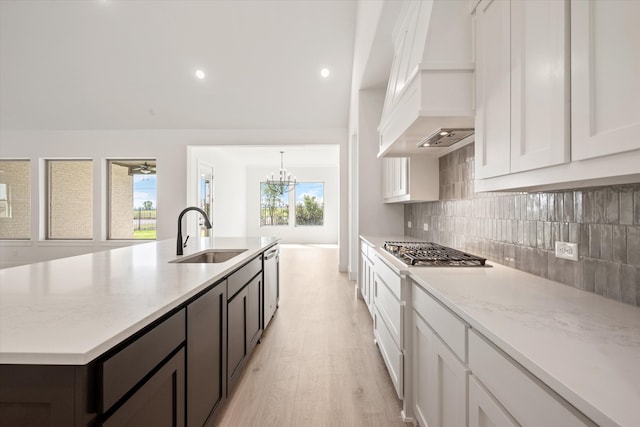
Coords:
429,254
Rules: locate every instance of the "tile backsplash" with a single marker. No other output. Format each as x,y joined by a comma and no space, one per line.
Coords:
520,229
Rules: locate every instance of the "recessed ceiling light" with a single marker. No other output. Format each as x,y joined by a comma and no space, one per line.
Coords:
325,72
200,74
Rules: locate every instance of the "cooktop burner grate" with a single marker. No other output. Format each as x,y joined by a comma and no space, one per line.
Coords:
432,254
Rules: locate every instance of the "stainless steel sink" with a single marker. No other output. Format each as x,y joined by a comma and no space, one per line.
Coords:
210,256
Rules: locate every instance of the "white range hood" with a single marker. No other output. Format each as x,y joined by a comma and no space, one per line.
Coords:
431,84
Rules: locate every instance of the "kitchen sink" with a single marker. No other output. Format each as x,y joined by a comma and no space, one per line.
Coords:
210,256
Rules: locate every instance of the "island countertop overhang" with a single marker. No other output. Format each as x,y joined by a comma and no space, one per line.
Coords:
70,311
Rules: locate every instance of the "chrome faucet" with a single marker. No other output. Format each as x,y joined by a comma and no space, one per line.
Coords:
207,224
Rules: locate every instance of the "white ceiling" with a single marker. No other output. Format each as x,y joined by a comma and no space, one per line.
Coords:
107,64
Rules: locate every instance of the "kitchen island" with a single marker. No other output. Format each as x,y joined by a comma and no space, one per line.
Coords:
526,350
100,330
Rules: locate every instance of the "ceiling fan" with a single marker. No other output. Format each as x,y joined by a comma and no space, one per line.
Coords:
144,168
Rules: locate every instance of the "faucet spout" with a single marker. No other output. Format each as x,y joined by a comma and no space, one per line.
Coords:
207,224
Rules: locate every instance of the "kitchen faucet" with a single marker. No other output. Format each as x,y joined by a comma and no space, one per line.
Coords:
179,243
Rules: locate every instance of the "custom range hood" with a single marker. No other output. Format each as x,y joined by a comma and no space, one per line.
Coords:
429,104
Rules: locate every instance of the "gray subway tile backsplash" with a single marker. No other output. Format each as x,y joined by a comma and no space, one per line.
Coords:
520,229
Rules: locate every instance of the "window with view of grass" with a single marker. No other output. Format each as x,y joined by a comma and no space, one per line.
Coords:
70,199
307,199
15,199
309,203
274,207
132,199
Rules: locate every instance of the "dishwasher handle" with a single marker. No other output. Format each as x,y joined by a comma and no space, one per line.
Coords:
268,255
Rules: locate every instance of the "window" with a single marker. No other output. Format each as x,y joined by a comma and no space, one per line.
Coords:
15,199
132,199
70,199
309,203
308,199
274,207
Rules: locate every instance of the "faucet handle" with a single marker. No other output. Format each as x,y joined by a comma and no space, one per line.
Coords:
184,245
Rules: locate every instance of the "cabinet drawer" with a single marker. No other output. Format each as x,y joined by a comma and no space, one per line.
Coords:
240,278
451,329
391,354
524,396
390,309
388,276
122,371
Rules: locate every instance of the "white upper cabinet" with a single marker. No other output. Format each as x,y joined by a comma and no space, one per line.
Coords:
493,83
558,94
522,107
605,77
410,179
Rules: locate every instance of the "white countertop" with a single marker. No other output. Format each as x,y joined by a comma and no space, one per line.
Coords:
583,346
70,311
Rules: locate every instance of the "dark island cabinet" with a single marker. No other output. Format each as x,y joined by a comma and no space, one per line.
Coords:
175,372
244,328
206,337
159,402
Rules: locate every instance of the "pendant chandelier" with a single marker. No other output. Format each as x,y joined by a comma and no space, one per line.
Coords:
282,183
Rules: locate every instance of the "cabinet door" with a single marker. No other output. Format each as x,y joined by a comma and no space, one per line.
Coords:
423,339
254,332
206,334
484,410
493,86
447,388
402,173
159,402
363,276
605,65
236,338
539,84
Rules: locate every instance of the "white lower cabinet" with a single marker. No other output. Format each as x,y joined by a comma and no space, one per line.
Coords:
423,338
440,380
389,298
530,402
484,409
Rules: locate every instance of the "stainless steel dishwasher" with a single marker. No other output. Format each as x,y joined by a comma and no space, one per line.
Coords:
271,283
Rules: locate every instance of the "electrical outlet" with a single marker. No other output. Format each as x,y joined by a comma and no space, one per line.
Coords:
425,227
408,224
567,250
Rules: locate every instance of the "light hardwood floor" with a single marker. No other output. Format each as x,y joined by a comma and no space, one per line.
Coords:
317,364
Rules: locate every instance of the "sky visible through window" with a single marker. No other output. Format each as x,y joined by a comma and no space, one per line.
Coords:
144,189
313,189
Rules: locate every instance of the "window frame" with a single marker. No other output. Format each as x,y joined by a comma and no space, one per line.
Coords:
108,236
9,203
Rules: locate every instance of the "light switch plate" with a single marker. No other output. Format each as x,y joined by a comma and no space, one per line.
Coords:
567,250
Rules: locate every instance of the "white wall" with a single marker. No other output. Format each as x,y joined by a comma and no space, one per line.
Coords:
229,187
375,217
327,233
371,65
169,147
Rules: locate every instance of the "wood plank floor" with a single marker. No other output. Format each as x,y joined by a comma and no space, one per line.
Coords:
317,364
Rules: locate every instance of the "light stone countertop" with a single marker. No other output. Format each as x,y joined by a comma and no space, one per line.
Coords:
583,346
70,311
